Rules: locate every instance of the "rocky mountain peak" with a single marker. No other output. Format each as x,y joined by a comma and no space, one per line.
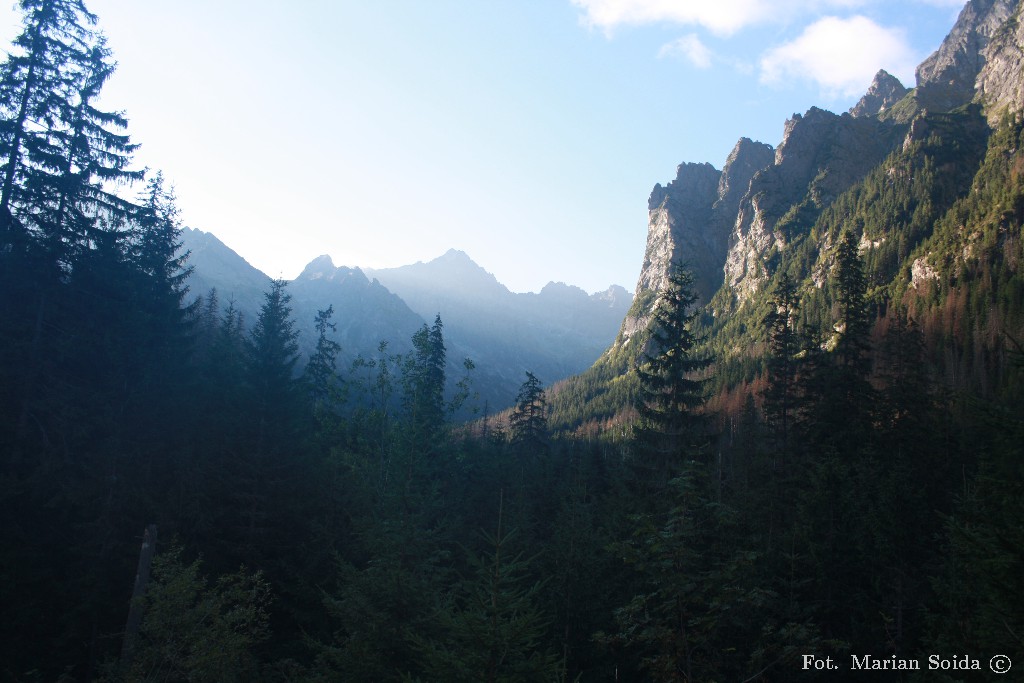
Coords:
689,223
680,226
614,297
1000,85
885,91
559,291
746,158
455,256
321,266
694,185
947,79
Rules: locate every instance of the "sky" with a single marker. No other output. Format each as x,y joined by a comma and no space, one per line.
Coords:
527,133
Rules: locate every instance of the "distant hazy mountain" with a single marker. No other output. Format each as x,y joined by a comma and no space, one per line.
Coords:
216,266
558,332
555,333
365,312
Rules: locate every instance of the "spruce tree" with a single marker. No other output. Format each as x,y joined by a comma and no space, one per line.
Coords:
493,628
271,353
61,154
670,430
263,470
528,423
55,34
851,290
783,348
424,384
321,368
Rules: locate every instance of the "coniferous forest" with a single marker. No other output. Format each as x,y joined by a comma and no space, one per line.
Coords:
850,485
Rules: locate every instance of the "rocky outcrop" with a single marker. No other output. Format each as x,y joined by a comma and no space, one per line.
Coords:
885,91
1000,85
921,271
822,154
680,229
689,223
947,79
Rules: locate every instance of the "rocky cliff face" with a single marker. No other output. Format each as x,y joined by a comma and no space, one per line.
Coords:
680,225
999,85
947,79
821,155
689,223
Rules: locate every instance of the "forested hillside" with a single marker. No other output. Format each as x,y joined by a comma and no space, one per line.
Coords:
821,462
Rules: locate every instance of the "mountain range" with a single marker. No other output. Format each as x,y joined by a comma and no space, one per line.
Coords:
929,180
555,333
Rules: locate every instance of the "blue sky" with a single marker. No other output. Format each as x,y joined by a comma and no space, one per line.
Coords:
527,133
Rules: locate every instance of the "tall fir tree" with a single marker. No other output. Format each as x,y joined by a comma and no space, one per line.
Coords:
424,380
850,293
265,471
321,370
528,423
62,156
784,345
671,430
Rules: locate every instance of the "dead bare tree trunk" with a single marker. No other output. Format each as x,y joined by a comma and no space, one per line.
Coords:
131,627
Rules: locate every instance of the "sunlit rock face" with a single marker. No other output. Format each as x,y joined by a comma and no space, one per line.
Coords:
822,154
947,79
680,226
1000,84
689,224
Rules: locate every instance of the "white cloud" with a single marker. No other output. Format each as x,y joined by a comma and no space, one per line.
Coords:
689,48
723,16
719,16
840,55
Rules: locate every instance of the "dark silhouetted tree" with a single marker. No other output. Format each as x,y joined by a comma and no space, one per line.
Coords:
424,383
528,423
784,344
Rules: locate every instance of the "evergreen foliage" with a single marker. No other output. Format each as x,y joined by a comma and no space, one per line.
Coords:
528,423
424,382
670,430
197,631
784,344
492,628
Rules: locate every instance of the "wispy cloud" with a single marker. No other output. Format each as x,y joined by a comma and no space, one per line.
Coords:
841,55
690,48
722,17
955,4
